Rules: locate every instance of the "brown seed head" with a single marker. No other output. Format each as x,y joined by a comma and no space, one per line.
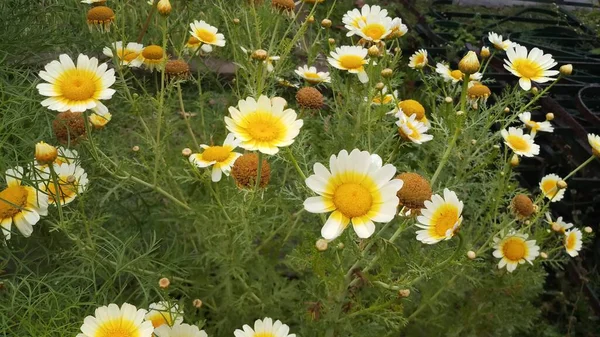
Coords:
69,127
284,5
310,98
100,14
522,206
177,69
414,192
164,283
245,168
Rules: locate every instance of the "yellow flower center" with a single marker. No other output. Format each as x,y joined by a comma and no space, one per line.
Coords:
375,31
414,132
67,189
549,188
128,55
118,328
352,200
12,200
264,127
412,107
479,90
159,318
192,41
571,241
518,143
205,36
77,85
312,75
514,249
351,61
532,125
153,52
456,74
528,68
264,334
216,153
419,59
444,219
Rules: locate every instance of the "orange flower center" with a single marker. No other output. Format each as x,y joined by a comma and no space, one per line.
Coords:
514,249
528,68
77,85
351,62
517,142
352,200
216,153
444,219
12,201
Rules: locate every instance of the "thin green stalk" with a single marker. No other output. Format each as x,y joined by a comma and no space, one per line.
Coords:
58,191
161,104
185,117
538,96
258,172
488,62
295,163
589,160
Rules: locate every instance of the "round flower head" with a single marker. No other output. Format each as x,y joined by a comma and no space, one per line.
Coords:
545,126
69,127
111,320
411,129
448,74
594,141
440,218
100,17
177,69
414,192
530,67
559,225
99,122
549,186
353,19
72,181
263,125
20,205
163,314
383,98
245,170
312,76
65,156
352,59
573,241
192,45
179,330
76,87
129,55
398,29
497,41
376,26
265,328
411,107
514,249
521,144
310,98
221,158
418,60
286,6
478,92
207,34
357,190
522,206
154,57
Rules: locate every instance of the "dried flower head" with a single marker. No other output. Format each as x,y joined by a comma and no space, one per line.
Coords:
100,17
177,69
286,6
245,170
69,127
522,206
310,98
164,283
415,191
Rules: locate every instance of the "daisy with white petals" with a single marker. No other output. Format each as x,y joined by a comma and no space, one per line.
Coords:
559,225
355,18
71,181
573,242
498,43
534,126
129,55
76,87
418,60
594,141
411,129
440,218
264,125
207,35
549,186
398,29
126,321
179,330
521,144
221,158
265,328
356,189
312,76
383,98
20,205
514,249
376,26
455,76
164,314
352,59
530,67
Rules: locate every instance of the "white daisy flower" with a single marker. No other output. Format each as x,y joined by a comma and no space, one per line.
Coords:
111,320
411,129
356,189
530,67
398,29
352,59
20,205
594,141
418,60
265,328
206,34
72,181
549,186
383,98
455,76
376,27
130,55
521,144
221,158
545,126
558,225
179,330
498,43
514,249
573,242
440,218
76,87
312,76
354,18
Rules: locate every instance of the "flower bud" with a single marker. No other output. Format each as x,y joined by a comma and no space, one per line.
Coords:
164,283
236,21
561,184
311,19
404,292
45,153
340,245
535,90
473,141
469,63
448,99
471,255
373,51
566,69
543,255
485,52
460,112
135,148
259,54
197,303
331,41
387,73
549,116
379,86
507,110
588,229
164,7
326,23
186,152
321,245
514,161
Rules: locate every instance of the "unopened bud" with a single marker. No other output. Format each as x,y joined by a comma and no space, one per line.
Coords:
135,148
485,52
321,245
387,73
236,21
561,184
549,116
373,51
448,99
496,146
469,64
566,69
379,86
186,152
471,255
197,303
341,245
588,229
71,179
473,141
543,255
45,153
311,19
326,23
507,110
397,50
534,90
459,112
514,161
259,54
164,283
404,292
331,41
164,7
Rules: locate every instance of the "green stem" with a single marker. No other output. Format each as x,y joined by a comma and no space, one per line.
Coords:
258,172
488,62
185,116
58,191
295,163
590,159
538,96
161,103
